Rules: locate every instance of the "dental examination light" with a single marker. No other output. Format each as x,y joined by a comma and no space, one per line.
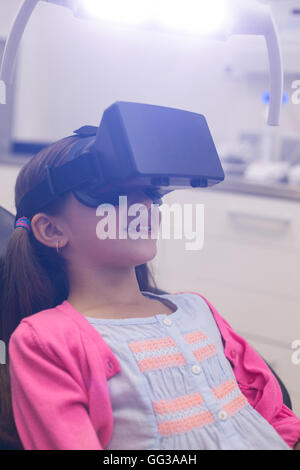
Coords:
218,19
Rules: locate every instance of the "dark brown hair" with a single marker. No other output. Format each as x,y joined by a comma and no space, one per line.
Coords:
34,277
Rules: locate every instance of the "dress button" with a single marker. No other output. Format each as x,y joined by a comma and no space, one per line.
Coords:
167,321
222,415
196,369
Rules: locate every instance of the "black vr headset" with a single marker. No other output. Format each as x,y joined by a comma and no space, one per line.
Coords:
137,146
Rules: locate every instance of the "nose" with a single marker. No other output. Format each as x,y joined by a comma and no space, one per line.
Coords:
142,198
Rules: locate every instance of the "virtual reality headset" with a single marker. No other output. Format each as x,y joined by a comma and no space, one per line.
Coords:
136,147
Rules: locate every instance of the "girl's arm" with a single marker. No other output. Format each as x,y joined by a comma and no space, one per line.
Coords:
49,403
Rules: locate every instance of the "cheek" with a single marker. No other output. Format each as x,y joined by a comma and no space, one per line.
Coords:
109,252
120,251
88,241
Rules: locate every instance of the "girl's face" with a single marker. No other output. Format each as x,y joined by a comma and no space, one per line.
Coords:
85,226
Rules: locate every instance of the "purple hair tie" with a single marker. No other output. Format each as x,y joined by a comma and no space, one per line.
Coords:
23,222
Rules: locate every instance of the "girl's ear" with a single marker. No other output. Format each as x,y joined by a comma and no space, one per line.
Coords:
48,230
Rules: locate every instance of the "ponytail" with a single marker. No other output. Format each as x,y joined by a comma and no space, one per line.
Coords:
33,278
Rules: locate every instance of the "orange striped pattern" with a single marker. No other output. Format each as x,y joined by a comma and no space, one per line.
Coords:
177,404
205,352
167,428
236,404
195,336
224,388
161,362
152,344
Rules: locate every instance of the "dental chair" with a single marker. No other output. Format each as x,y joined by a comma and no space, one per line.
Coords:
7,227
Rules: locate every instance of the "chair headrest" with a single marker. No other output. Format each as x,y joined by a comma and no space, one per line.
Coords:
7,220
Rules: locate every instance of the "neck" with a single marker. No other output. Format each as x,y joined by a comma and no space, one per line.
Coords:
102,288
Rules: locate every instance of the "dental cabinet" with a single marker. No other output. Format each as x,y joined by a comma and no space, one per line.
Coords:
248,268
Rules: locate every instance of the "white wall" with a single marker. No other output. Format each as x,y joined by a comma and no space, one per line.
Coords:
70,70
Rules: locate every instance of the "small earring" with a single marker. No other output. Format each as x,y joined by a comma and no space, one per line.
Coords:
57,247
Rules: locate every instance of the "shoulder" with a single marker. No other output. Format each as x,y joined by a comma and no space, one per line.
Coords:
62,335
51,321
196,301
188,299
49,330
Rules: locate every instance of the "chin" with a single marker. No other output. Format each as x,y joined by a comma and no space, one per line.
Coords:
143,252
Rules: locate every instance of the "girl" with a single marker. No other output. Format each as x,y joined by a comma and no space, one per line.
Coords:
100,359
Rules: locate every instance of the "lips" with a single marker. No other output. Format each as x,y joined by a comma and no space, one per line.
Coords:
141,229
149,228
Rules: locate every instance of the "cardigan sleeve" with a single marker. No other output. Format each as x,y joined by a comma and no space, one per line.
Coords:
49,403
287,425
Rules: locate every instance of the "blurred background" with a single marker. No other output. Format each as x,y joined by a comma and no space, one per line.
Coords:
69,71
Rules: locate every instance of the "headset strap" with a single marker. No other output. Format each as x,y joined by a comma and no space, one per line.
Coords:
61,179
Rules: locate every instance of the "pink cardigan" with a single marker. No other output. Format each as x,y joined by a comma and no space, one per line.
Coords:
59,368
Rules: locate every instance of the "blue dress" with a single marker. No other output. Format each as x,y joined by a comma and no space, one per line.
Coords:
176,389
